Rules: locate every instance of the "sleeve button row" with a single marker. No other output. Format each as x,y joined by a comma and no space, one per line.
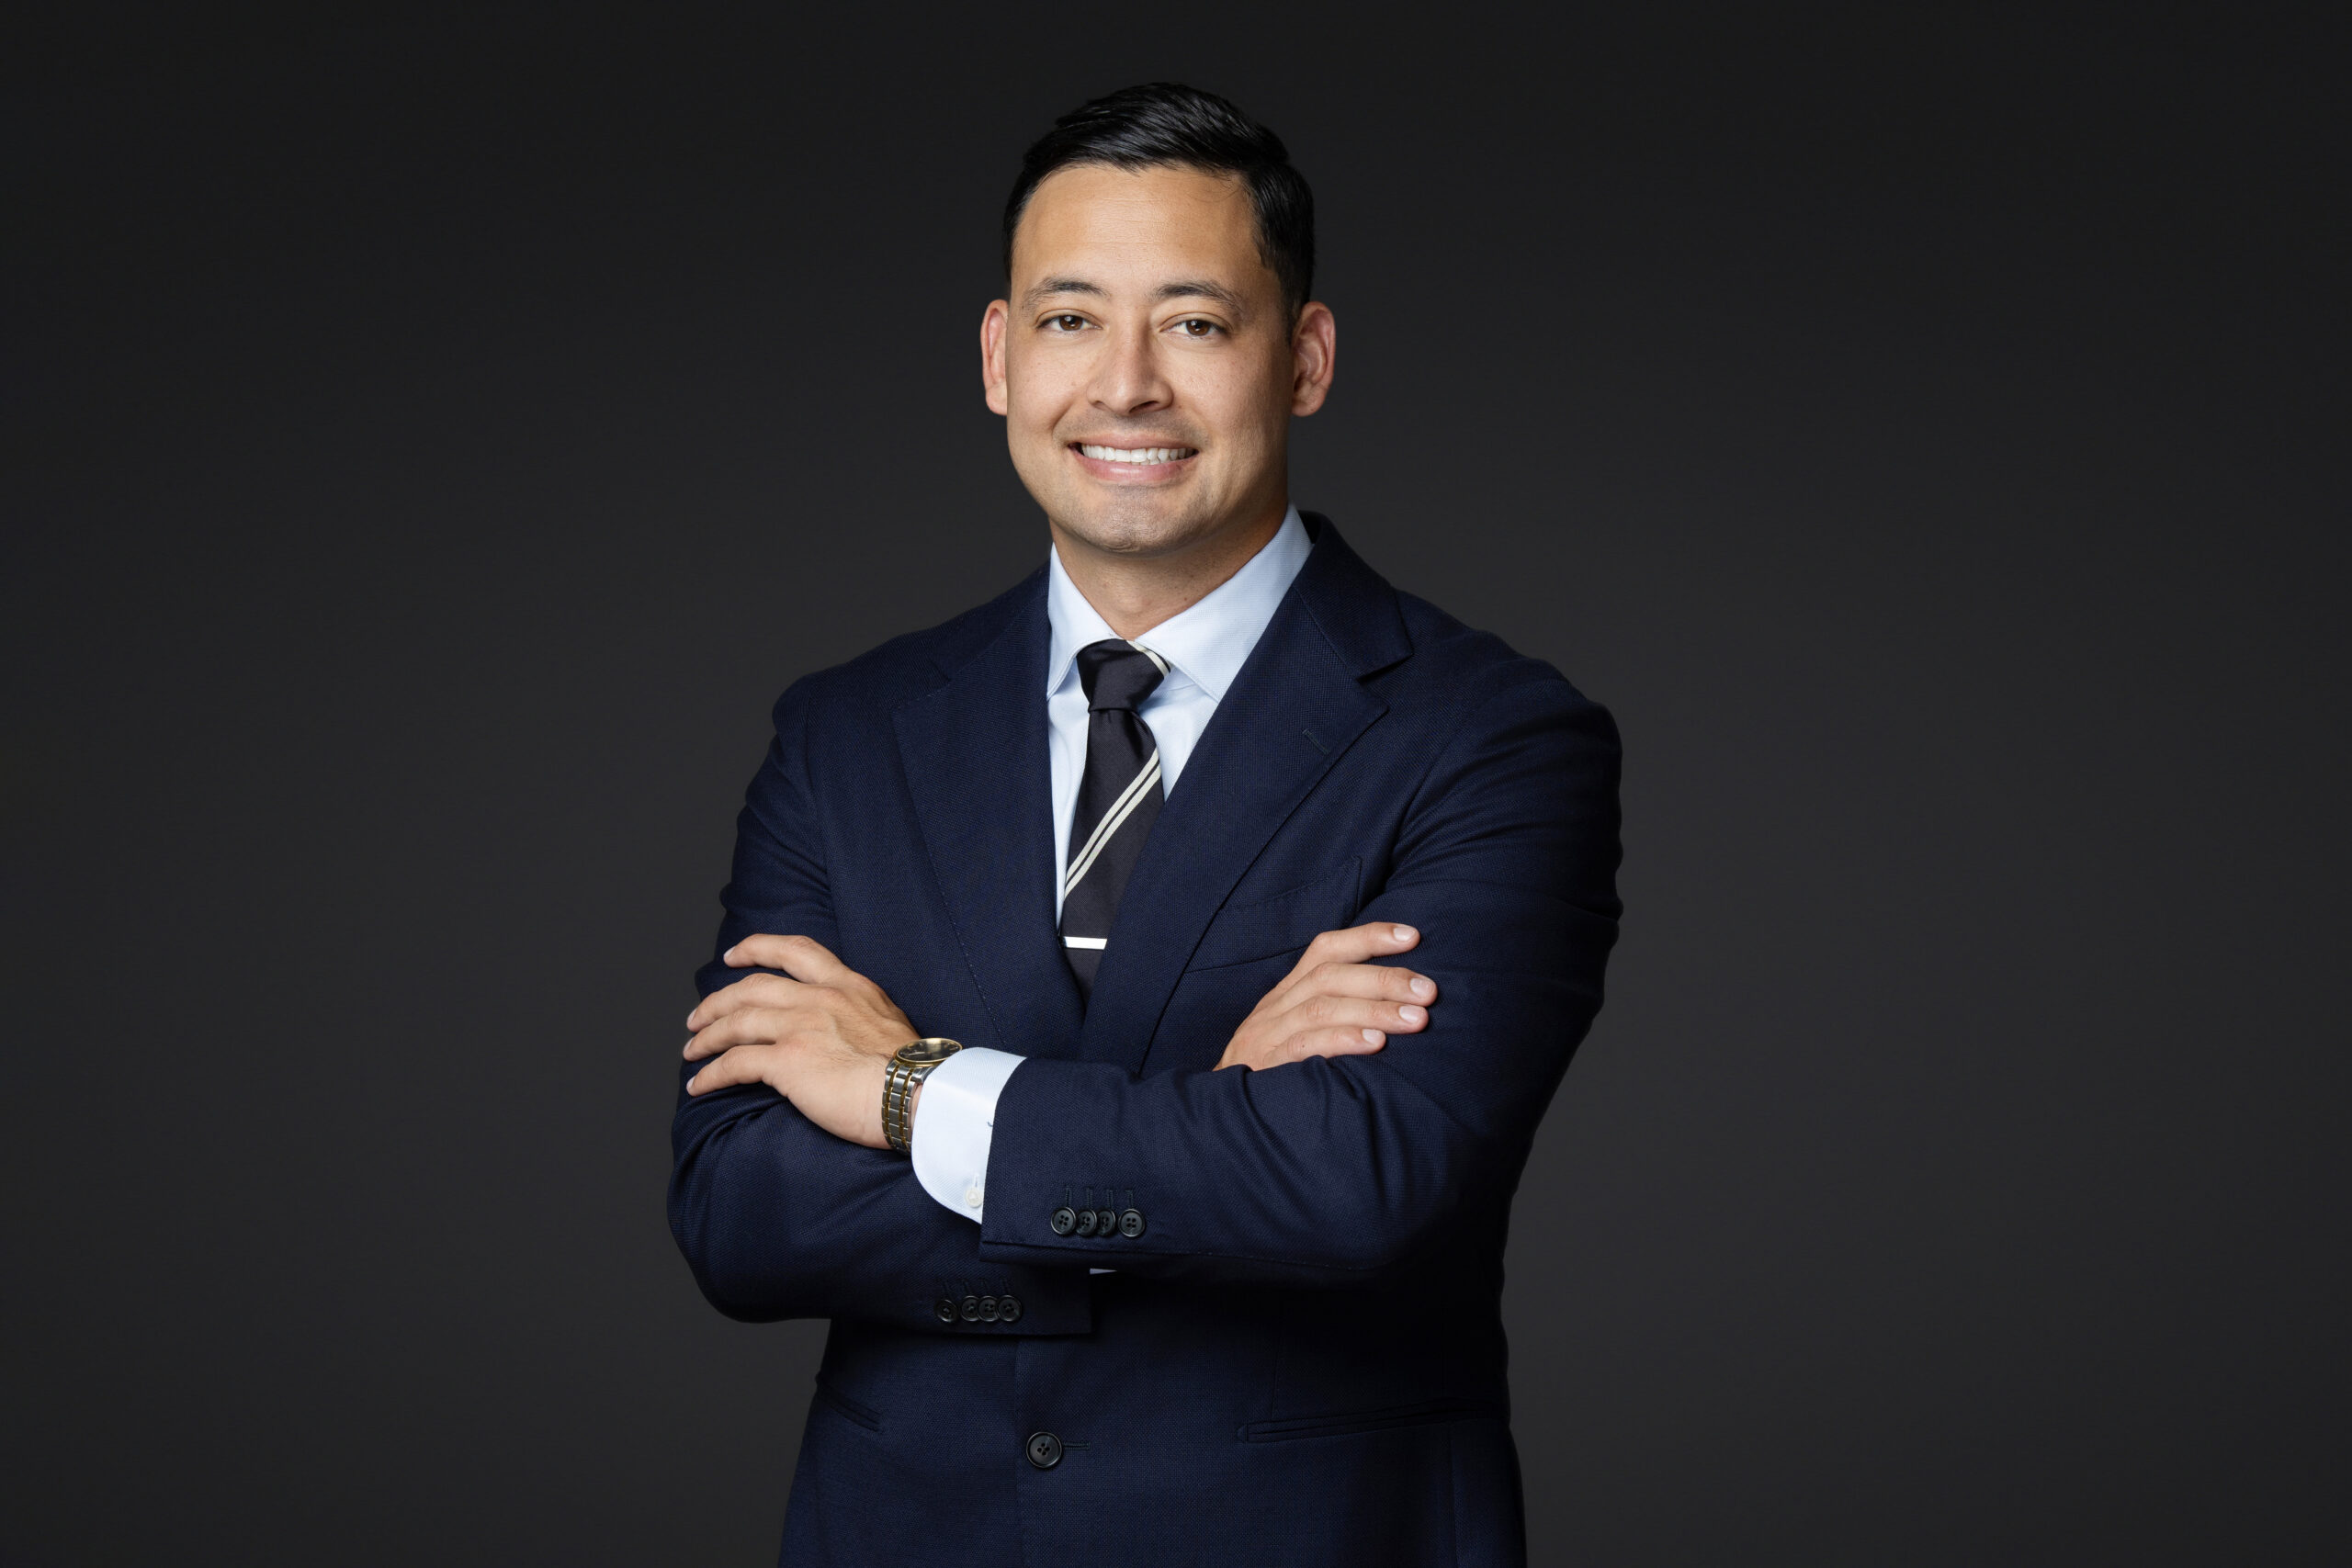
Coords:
977,1309
1067,1221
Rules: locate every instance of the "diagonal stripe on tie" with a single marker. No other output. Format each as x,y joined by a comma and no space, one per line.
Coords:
1120,811
1119,797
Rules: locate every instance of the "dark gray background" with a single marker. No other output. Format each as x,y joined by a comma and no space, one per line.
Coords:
432,443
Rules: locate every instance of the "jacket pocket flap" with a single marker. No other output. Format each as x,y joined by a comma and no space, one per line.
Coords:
1420,1415
848,1408
1284,922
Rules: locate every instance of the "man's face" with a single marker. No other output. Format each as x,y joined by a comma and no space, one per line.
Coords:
1145,364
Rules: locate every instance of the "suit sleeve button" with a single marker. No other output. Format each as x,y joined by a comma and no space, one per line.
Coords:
1106,1222
1044,1449
1086,1222
943,1309
1131,1222
988,1309
1064,1220
971,1309
1008,1309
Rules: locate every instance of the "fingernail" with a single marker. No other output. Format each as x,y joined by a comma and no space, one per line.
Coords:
690,1017
1419,988
728,956
1373,1037
1403,933
1411,1014
692,1081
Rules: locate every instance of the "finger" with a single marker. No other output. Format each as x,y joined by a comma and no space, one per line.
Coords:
752,1026
745,1064
1332,1043
1381,939
802,957
753,990
1382,982
1316,1012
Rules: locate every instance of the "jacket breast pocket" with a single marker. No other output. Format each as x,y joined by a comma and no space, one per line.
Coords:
1266,928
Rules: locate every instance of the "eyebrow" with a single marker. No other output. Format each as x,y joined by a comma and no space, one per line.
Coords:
1051,285
1196,288
1184,289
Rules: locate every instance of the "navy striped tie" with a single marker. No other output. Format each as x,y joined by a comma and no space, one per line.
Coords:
1118,797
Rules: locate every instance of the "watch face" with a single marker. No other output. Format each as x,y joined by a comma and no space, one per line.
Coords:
928,1053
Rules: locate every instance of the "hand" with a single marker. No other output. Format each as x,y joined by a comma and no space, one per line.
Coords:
1335,1004
823,1039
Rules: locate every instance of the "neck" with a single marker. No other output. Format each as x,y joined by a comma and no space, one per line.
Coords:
1134,593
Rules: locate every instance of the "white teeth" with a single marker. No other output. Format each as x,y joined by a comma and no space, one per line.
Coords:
1135,454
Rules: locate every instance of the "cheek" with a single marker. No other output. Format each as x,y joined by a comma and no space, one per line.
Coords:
1242,406
1037,396
1033,440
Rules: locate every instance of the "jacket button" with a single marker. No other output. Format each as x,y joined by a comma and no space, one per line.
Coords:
943,1309
1131,1222
971,1309
1008,1309
1086,1222
1044,1449
1106,1222
1064,1220
988,1309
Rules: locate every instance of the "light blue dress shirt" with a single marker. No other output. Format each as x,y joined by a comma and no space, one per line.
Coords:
1205,647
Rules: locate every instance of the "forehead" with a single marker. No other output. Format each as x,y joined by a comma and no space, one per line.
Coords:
1110,226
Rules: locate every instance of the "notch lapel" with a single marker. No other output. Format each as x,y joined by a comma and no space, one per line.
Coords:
1296,706
978,769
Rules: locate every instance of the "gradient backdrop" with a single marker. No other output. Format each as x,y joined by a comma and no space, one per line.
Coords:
433,441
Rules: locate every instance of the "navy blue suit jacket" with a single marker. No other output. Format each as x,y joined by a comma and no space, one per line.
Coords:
1301,1358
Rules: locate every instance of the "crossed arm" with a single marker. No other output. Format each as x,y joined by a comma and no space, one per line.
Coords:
1357,1152
777,1203
821,1034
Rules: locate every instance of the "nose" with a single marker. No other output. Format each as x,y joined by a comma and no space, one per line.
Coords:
1127,378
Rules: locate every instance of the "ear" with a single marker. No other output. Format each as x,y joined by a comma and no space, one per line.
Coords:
1314,345
993,323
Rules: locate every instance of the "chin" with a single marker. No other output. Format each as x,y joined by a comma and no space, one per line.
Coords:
1124,531
1133,523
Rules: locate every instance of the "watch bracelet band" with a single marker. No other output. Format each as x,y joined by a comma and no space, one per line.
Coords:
900,1079
898,1092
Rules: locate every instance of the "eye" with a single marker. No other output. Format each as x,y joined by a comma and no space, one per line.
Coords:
1066,324
1192,326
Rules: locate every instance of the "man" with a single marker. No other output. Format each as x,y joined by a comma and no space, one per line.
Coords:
1267,903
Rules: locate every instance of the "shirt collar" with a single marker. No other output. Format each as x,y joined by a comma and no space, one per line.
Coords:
1206,643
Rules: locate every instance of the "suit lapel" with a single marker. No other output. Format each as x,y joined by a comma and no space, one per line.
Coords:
1298,704
976,764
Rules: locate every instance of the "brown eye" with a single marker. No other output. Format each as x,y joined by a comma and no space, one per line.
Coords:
1068,323
1196,328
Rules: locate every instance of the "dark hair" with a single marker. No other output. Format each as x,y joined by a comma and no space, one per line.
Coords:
1165,122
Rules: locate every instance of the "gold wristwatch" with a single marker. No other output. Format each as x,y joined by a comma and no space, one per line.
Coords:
909,1067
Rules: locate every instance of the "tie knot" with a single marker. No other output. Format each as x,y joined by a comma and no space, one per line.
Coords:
1117,674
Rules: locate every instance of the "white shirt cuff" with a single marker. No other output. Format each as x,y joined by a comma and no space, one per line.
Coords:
954,1125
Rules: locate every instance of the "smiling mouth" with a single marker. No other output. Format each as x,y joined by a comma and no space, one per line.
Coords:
1139,457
